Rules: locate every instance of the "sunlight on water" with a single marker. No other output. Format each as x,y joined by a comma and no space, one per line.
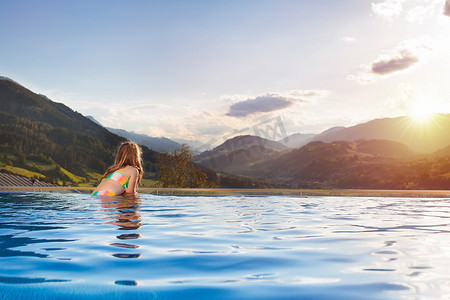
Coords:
227,247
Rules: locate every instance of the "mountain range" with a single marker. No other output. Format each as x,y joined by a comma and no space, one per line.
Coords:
160,144
252,156
236,154
379,164
421,136
50,139
397,153
297,140
155,143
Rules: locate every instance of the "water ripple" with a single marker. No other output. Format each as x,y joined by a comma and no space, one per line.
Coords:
229,247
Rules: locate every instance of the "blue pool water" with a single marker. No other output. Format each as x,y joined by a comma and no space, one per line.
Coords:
73,246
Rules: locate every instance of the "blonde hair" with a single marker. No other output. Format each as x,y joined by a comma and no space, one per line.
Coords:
129,154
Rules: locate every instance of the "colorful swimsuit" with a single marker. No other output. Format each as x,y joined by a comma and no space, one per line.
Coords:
103,193
117,177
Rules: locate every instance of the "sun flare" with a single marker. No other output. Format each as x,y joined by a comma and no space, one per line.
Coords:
421,112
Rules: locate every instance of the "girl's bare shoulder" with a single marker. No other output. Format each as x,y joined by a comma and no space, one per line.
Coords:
130,170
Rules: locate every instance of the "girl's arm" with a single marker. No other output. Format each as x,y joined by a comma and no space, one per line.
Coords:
132,183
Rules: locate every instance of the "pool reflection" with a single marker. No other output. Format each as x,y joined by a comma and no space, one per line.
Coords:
124,211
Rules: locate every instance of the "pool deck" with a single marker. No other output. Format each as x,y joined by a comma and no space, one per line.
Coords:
255,192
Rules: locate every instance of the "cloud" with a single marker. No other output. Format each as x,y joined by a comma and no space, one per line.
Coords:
403,58
419,13
446,11
302,94
399,61
349,39
271,102
140,106
388,9
363,78
401,103
260,104
414,11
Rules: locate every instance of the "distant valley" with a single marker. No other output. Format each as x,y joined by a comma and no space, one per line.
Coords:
155,143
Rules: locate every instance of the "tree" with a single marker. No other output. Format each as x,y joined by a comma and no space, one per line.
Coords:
7,161
177,170
21,159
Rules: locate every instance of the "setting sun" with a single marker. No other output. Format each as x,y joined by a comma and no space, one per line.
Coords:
421,111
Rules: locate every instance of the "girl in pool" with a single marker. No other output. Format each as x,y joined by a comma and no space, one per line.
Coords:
124,175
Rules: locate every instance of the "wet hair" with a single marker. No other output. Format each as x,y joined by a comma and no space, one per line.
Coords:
129,154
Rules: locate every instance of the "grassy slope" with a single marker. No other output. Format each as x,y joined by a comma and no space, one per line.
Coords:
19,171
26,171
95,177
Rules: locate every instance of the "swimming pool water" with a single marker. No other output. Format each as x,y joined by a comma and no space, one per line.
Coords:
73,246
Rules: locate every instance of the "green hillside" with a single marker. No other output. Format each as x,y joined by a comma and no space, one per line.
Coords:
53,142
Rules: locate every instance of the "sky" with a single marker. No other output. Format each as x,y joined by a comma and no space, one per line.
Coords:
209,70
